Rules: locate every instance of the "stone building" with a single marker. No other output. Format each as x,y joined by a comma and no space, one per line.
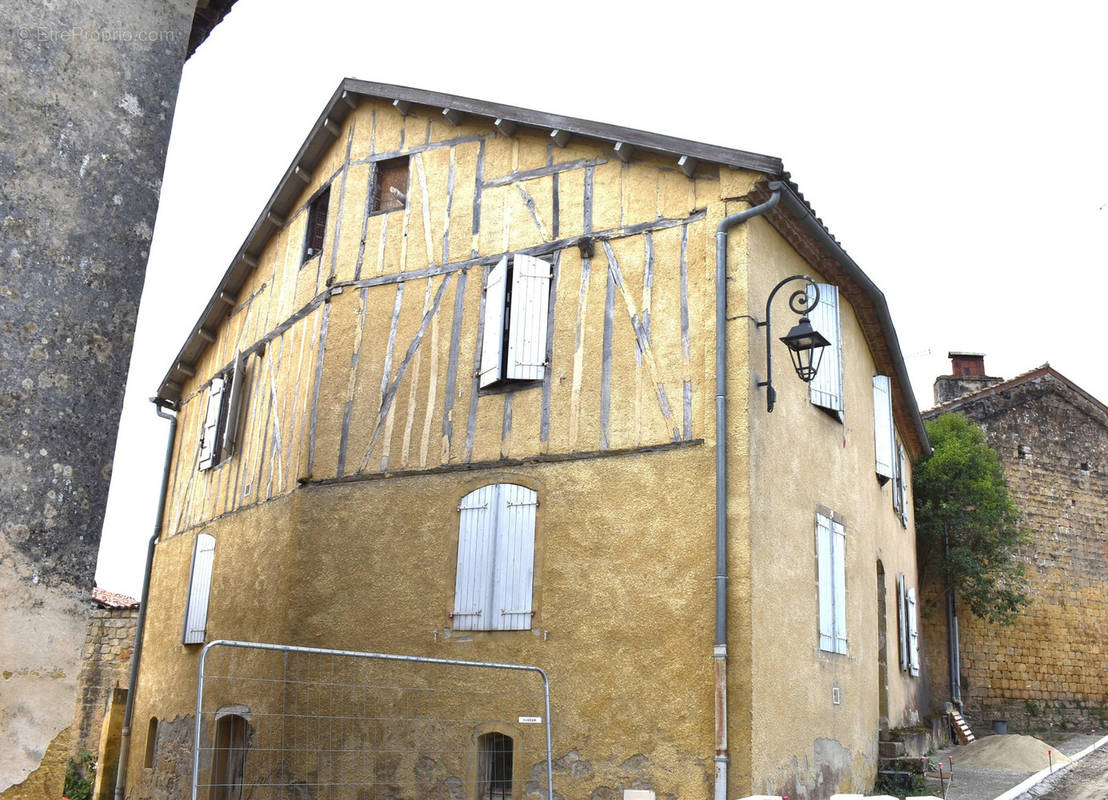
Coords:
456,397
1049,668
89,91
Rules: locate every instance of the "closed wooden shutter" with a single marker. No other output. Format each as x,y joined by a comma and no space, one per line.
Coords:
902,619
913,634
196,609
209,445
234,406
825,581
476,551
884,437
513,571
826,389
838,557
493,336
527,323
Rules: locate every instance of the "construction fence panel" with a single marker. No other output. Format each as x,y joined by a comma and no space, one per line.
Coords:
302,723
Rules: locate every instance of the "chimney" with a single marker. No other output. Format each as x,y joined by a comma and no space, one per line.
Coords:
968,375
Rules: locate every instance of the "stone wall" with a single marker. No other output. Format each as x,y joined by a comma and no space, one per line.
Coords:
106,661
1048,669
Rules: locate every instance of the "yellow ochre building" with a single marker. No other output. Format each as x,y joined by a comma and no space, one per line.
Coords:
463,394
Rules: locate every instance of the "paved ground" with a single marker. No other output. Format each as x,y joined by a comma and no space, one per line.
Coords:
1085,780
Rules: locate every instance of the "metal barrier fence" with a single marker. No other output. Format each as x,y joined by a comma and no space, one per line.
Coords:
302,723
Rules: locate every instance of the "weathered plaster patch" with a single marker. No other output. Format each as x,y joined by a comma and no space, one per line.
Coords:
130,104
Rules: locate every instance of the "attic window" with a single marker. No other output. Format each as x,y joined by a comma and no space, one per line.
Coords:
390,185
317,224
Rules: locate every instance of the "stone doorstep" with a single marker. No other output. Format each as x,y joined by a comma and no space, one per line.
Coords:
901,764
890,749
916,743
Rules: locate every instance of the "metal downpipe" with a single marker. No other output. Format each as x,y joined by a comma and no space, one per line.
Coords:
136,656
719,651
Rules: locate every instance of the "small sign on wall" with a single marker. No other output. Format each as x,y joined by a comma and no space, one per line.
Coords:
530,720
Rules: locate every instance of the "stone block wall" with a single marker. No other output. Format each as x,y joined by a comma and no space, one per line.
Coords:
106,664
1049,668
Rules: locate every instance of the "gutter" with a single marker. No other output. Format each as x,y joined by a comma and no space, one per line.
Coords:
719,650
136,656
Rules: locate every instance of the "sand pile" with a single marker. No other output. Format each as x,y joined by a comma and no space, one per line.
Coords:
1011,752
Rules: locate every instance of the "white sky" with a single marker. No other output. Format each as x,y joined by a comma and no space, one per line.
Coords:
958,152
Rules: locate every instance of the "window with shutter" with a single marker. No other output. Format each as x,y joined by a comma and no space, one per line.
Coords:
517,306
902,620
884,435
209,436
496,559
826,388
200,580
831,579
316,230
913,634
217,440
902,479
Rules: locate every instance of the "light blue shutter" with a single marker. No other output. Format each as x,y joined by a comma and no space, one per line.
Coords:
902,619
513,572
826,389
234,405
196,610
902,480
838,557
913,634
884,437
527,323
209,447
492,346
476,548
825,582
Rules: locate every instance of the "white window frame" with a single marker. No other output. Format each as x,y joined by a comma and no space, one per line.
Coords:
517,307
494,581
913,633
826,388
200,583
902,620
831,583
884,429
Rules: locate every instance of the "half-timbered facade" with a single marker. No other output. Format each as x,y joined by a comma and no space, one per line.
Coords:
456,397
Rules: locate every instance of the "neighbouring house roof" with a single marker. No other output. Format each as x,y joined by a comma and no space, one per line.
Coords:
106,599
794,218
1045,373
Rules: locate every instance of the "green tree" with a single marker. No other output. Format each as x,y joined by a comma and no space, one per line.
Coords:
967,524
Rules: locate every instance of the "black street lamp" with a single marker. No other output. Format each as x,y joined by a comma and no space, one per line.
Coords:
805,343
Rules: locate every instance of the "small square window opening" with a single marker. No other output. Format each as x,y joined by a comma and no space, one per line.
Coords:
390,186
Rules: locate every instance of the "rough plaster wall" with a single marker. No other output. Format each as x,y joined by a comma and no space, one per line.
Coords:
85,116
1047,670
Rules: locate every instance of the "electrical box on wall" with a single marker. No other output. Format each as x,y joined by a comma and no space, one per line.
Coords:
836,695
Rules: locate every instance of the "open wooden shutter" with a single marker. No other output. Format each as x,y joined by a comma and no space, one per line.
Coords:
513,572
838,558
826,389
884,437
209,446
493,341
200,581
913,634
902,620
234,406
902,480
476,549
527,322
825,582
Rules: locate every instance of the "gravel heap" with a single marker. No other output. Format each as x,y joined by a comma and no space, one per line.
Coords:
1008,752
